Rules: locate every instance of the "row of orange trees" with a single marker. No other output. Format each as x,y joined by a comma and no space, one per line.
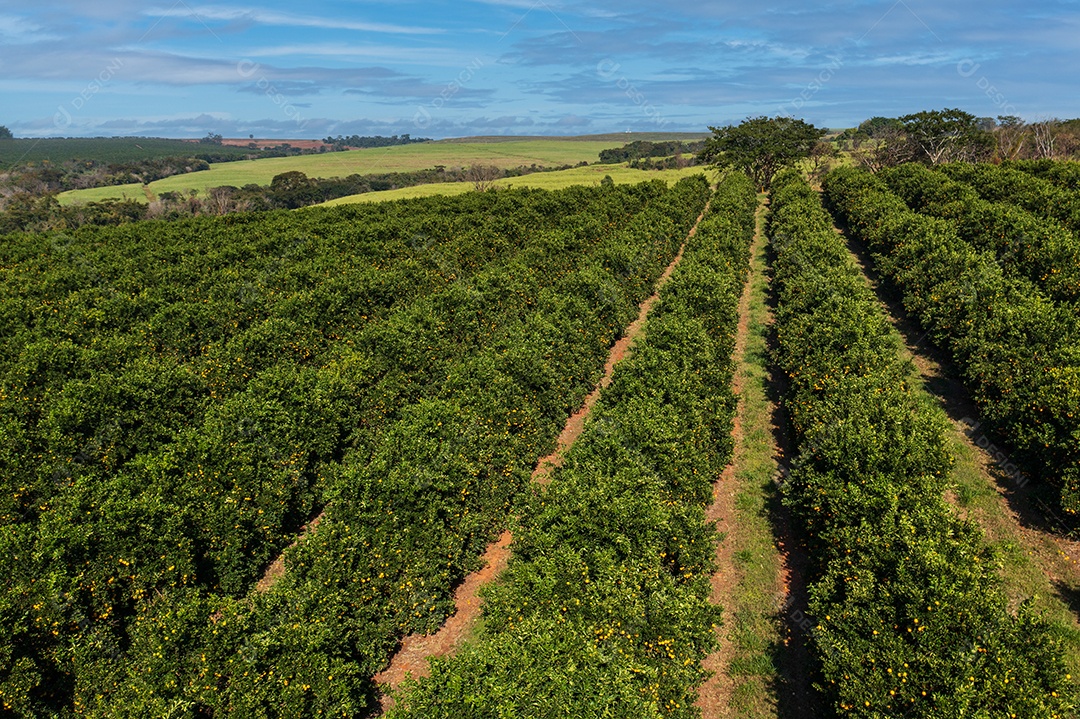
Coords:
1062,174
178,399
1025,244
604,609
1017,350
410,515
106,323
909,617
1033,193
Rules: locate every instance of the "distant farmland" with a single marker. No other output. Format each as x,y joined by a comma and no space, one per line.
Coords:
591,175
106,149
505,153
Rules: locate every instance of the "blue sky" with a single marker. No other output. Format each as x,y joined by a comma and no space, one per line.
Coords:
182,68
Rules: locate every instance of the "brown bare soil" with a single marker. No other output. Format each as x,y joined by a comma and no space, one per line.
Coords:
576,424
714,696
412,658
416,648
783,627
795,694
276,569
567,437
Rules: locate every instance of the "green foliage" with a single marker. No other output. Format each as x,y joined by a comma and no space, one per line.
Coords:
761,146
1062,174
642,149
26,212
292,189
366,141
604,610
409,519
948,135
107,150
879,127
5,133
1005,184
1025,245
1019,351
180,398
909,616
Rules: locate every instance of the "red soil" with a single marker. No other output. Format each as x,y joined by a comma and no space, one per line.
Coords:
576,424
714,696
412,658
276,569
416,648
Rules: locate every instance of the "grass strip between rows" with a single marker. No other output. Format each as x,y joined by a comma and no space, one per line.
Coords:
910,618
1018,352
604,609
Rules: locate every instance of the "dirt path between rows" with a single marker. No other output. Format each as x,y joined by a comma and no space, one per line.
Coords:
795,694
415,649
714,696
794,690
1026,511
276,570
576,424
412,658
569,434
788,690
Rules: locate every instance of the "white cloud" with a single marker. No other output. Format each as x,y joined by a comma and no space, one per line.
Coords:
16,30
272,17
398,54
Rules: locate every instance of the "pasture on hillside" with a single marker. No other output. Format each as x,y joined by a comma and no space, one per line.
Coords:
543,152
557,180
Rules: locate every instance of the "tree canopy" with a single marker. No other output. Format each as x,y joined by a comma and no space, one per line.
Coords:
5,134
761,146
946,135
878,127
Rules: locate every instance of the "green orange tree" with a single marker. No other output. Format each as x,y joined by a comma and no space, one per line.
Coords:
761,146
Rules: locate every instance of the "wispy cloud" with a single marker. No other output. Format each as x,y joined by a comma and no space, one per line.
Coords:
405,55
15,30
515,66
285,19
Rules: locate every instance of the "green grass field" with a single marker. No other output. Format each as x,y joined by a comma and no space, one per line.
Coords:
134,191
546,152
591,175
616,138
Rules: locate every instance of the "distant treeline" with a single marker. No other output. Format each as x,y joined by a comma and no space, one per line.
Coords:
642,149
676,162
46,177
42,177
365,141
289,190
941,136
295,189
